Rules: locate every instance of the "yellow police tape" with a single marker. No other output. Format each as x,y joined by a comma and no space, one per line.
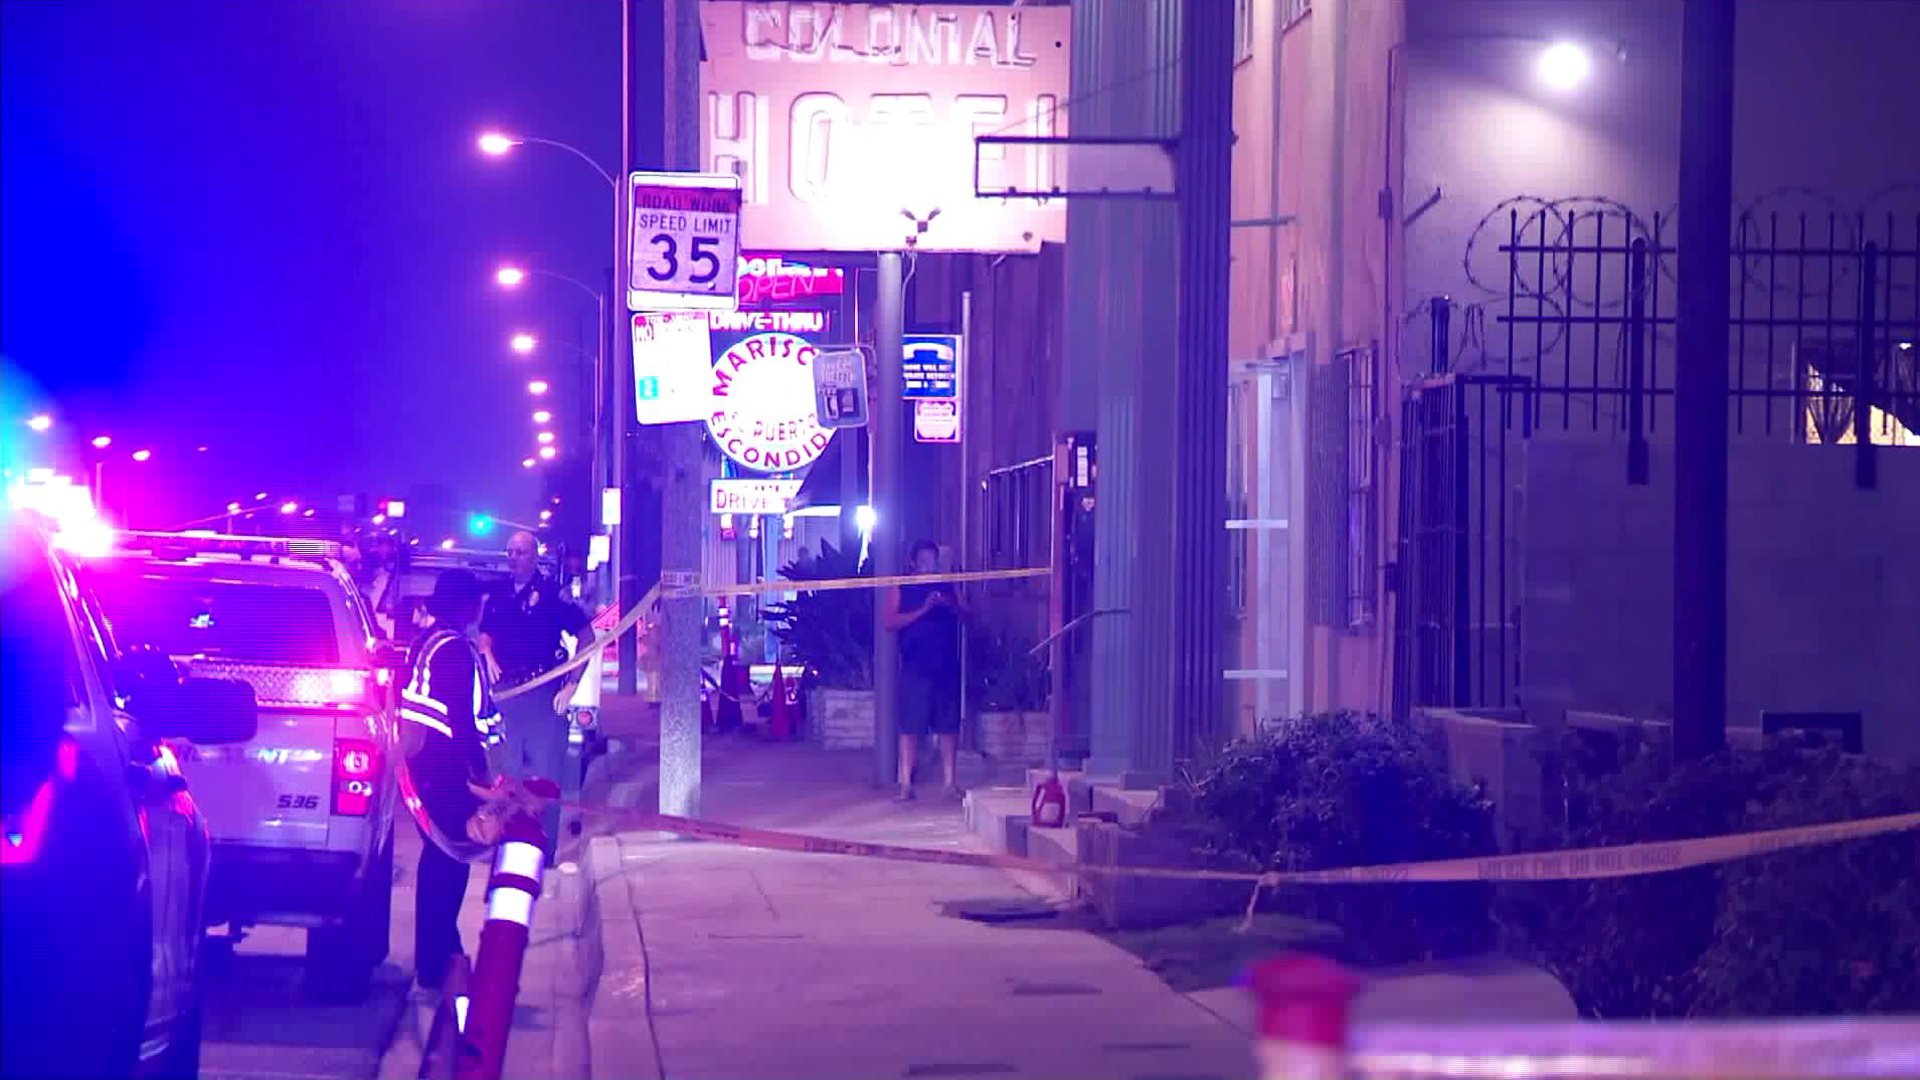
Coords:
656,594
1623,860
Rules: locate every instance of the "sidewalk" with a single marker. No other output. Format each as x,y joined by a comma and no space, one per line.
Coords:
562,966
724,962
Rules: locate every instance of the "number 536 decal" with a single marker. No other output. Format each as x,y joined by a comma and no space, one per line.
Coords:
299,802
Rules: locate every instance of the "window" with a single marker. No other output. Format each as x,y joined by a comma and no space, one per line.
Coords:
1344,515
1292,11
1242,30
1362,502
230,620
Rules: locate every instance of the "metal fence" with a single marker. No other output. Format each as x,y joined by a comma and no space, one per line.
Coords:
1825,316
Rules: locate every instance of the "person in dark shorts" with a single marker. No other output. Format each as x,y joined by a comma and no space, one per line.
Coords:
928,620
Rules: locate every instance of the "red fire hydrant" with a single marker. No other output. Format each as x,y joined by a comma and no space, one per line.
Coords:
1050,803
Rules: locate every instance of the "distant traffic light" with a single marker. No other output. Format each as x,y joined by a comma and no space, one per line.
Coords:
480,524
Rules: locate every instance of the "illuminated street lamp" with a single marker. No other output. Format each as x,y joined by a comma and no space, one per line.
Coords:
40,422
233,508
526,463
101,442
537,387
545,437
510,276
496,144
447,544
1564,65
547,452
542,416
523,343
259,496
142,455
289,507
546,515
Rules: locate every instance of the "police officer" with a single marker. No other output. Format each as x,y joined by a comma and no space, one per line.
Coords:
520,637
447,722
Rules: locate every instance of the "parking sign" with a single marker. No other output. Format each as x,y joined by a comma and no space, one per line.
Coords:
684,242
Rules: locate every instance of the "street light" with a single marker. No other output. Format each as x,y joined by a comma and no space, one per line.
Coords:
142,455
609,433
537,387
510,276
101,442
1564,65
40,422
547,452
289,507
523,343
526,463
541,416
233,508
545,437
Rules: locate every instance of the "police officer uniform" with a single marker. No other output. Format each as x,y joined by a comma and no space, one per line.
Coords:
525,629
448,720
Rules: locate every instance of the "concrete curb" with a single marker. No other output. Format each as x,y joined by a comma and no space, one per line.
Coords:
565,956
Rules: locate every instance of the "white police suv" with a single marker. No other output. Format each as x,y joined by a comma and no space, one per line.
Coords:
302,815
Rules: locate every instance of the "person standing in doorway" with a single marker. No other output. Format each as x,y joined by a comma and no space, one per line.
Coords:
928,619
520,638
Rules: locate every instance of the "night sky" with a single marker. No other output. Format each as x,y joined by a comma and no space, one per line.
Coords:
264,227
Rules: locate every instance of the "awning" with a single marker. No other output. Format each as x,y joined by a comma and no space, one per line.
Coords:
821,487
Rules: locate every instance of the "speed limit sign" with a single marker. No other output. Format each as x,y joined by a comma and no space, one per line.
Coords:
684,241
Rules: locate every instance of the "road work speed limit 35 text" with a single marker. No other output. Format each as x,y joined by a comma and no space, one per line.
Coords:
685,242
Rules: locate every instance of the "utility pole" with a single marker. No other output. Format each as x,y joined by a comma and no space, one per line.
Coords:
663,83
637,104
1700,381
886,428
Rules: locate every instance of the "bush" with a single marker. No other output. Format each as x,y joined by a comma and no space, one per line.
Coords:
830,632
1348,790
1817,930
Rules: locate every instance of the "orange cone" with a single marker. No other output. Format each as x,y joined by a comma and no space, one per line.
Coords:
780,723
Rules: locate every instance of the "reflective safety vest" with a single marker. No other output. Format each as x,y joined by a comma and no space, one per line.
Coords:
425,704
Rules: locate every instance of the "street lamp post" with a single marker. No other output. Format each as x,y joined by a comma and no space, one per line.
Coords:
610,442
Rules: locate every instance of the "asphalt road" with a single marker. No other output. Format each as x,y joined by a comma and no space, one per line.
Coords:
260,1025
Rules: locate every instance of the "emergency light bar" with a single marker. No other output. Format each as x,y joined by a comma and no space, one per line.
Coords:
205,543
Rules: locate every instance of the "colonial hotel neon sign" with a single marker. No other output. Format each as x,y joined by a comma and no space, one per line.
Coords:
840,118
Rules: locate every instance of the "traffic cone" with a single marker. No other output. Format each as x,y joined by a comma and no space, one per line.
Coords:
1303,1002
780,723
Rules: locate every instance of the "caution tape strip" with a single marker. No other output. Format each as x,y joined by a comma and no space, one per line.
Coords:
836,584
657,594
1622,860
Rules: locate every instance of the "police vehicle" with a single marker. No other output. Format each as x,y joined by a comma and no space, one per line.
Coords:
302,814
104,853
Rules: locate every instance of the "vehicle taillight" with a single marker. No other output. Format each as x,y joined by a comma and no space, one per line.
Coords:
344,688
356,763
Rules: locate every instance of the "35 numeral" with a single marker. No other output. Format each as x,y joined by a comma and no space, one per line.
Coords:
705,259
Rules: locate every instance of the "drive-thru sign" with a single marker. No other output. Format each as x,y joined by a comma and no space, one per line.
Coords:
685,242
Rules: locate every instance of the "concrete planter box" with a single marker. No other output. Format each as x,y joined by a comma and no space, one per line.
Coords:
840,719
1126,902
1020,738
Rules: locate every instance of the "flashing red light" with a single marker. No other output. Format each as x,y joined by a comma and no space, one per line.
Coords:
355,764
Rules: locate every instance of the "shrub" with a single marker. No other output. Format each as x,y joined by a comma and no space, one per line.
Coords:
831,632
1349,790
1816,930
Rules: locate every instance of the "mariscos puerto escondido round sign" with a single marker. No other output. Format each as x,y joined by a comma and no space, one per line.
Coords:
763,411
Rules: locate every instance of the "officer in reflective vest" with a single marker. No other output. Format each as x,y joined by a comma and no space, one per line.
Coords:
448,721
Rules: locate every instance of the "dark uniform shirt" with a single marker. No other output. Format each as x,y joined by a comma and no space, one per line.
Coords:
526,628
